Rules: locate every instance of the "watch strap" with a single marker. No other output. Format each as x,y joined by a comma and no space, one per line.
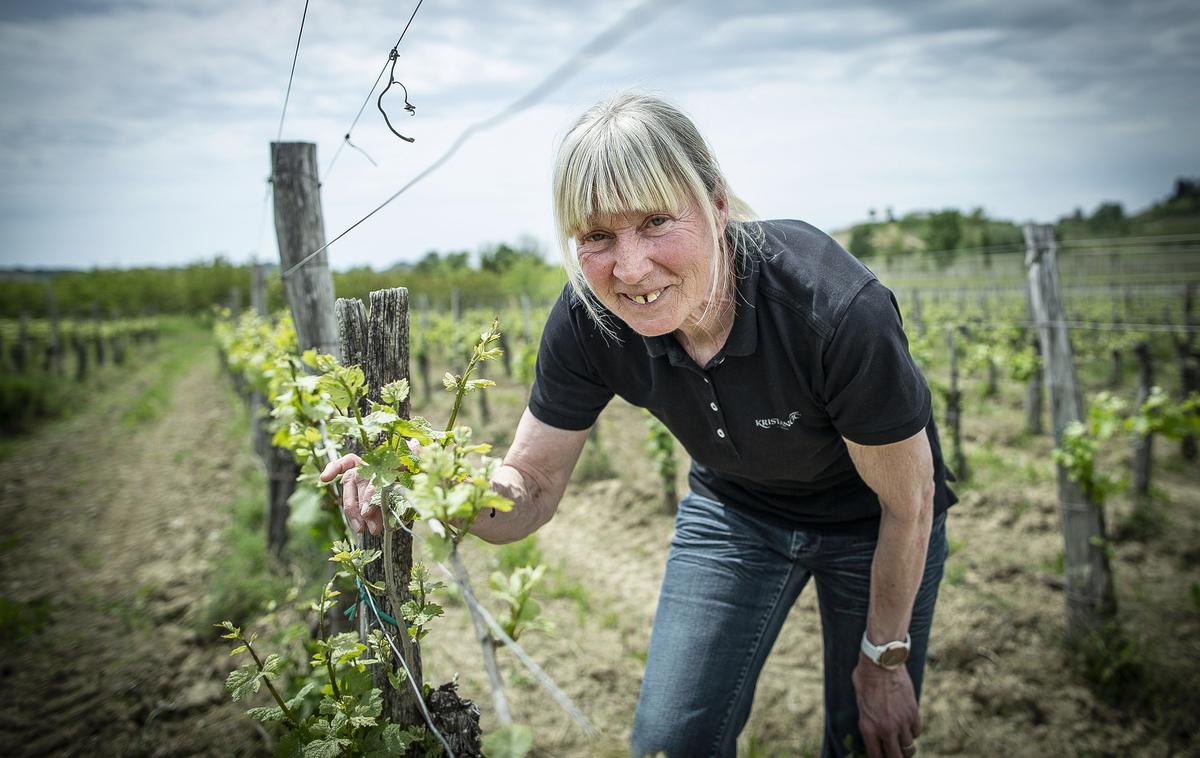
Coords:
875,652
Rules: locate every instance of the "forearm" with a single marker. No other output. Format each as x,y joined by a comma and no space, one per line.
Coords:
528,510
897,568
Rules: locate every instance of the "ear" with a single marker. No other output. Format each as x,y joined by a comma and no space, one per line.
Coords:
722,206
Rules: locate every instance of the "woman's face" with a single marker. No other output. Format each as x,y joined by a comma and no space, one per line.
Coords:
652,270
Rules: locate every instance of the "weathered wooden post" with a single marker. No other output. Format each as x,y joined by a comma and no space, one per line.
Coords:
1114,379
79,342
422,355
526,326
98,335
506,353
485,411
1143,445
258,288
954,410
1189,371
21,353
117,342
387,361
1114,297
379,343
55,354
300,230
1090,598
260,437
918,317
1033,391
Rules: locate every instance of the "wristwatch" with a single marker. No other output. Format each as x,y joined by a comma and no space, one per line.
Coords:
889,655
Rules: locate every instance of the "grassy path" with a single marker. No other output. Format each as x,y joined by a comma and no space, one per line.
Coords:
111,518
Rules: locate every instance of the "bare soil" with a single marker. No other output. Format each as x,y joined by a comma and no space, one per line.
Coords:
998,679
110,533
109,527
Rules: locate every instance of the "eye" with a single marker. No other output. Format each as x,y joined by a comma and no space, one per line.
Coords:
592,237
657,220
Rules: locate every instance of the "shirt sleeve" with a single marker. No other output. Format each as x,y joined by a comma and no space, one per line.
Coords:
567,391
874,391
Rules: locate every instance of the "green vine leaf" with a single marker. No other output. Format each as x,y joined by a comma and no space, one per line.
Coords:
243,681
513,741
391,741
381,466
326,748
395,393
273,665
267,714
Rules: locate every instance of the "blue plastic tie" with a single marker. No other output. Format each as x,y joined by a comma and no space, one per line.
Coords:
352,611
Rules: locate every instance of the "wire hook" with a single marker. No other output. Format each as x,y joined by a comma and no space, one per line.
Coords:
412,109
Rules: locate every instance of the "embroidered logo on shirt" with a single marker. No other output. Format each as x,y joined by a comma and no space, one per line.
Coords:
767,423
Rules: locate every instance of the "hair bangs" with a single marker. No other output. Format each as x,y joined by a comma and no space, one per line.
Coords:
612,173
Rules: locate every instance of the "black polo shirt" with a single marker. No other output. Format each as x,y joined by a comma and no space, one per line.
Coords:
816,353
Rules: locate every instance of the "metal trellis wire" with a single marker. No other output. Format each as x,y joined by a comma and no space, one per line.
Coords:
638,16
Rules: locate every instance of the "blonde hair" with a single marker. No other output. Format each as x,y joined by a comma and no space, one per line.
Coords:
637,153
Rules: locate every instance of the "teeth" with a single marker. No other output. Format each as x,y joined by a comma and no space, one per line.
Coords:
647,298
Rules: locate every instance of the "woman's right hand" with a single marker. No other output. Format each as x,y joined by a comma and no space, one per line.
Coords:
356,494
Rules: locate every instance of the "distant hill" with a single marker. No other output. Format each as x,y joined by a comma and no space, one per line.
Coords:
946,232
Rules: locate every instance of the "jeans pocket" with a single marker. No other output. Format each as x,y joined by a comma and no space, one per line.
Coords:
702,522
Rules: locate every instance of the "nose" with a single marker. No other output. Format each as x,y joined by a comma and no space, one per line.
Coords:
633,264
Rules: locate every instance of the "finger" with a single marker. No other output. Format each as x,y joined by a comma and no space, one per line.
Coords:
891,745
372,514
365,494
916,726
871,743
414,447
907,741
334,468
350,505
340,466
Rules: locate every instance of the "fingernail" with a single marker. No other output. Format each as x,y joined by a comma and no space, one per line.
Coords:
356,525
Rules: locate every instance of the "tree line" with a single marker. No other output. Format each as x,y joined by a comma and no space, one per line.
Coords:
947,233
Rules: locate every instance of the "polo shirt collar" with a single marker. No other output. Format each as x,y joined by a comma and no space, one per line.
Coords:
743,337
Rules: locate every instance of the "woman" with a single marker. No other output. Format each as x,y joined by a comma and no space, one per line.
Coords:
779,362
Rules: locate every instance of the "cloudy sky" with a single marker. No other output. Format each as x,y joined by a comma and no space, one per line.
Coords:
135,133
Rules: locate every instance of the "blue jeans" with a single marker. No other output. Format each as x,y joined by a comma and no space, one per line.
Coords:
730,581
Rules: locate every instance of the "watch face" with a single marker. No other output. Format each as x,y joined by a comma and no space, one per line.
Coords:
893,656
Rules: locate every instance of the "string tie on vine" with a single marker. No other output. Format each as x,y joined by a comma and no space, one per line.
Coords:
352,611
359,149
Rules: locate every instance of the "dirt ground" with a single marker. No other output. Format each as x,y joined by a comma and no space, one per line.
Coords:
997,683
109,525
110,533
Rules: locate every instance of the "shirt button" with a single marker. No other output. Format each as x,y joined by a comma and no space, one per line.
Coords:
706,380
721,433
713,406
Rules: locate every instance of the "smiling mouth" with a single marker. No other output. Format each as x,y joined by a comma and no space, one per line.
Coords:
647,298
